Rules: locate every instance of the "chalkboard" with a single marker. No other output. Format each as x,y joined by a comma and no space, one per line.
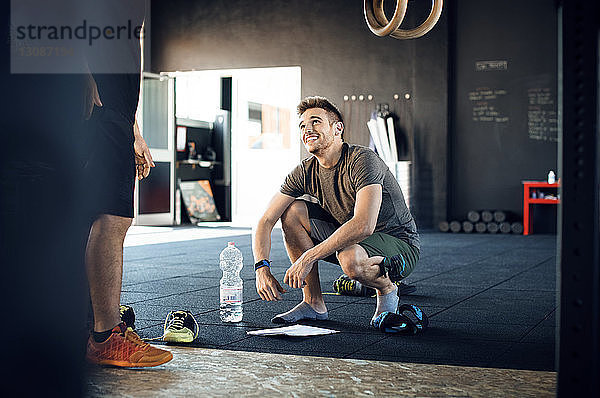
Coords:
504,105
492,106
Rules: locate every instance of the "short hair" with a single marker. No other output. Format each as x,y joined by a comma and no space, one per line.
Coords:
333,113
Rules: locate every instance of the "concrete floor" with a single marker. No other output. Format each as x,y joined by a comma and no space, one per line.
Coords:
202,372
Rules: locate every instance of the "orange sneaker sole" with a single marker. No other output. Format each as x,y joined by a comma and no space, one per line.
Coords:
127,364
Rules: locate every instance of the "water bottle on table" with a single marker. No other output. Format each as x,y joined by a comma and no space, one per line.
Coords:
231,263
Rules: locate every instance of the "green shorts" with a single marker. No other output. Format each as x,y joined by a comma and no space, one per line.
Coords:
322,225
381,244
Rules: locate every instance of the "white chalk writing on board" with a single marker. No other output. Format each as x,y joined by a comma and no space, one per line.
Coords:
485,105
542,119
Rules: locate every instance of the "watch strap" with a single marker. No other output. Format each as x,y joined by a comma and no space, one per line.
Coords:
262,263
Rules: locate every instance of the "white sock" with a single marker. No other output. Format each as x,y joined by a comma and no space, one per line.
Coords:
387,302
301,311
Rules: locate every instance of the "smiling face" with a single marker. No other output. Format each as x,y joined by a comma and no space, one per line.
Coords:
318,132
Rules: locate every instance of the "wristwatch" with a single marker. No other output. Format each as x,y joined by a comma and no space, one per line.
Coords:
262,263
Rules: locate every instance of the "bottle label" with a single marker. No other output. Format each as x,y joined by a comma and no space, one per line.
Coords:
231,295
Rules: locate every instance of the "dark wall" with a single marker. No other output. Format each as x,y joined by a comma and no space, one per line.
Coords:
338,55
502,116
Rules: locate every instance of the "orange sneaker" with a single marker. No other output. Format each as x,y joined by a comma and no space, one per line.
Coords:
125,348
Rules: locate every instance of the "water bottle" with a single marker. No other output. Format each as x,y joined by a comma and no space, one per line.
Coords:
231,284
551,177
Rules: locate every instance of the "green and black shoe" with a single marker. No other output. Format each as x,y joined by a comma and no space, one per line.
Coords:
180,327
349,287
127,316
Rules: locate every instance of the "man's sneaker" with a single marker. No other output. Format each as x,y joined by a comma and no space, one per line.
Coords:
350,287
124,348
127,316
180,327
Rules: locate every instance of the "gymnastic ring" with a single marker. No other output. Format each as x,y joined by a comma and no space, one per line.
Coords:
379,24
376,19
434,16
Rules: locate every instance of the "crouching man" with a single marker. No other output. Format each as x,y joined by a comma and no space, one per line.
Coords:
342,205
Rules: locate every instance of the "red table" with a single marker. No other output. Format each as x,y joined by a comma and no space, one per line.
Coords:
528,200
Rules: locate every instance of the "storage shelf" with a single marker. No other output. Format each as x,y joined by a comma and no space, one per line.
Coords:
541,184
528,200
544,201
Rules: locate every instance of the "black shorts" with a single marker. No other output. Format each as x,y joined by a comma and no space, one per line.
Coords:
110,167
322,225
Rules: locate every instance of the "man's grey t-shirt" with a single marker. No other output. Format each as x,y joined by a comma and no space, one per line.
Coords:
336,189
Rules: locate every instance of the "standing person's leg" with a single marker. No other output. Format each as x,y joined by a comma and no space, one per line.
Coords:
111,166
296,229
104,263
111,342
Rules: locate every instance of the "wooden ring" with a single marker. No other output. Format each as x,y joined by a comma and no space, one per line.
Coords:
379,24
376,19
434,16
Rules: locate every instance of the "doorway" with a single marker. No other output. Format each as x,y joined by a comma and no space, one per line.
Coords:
264,144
